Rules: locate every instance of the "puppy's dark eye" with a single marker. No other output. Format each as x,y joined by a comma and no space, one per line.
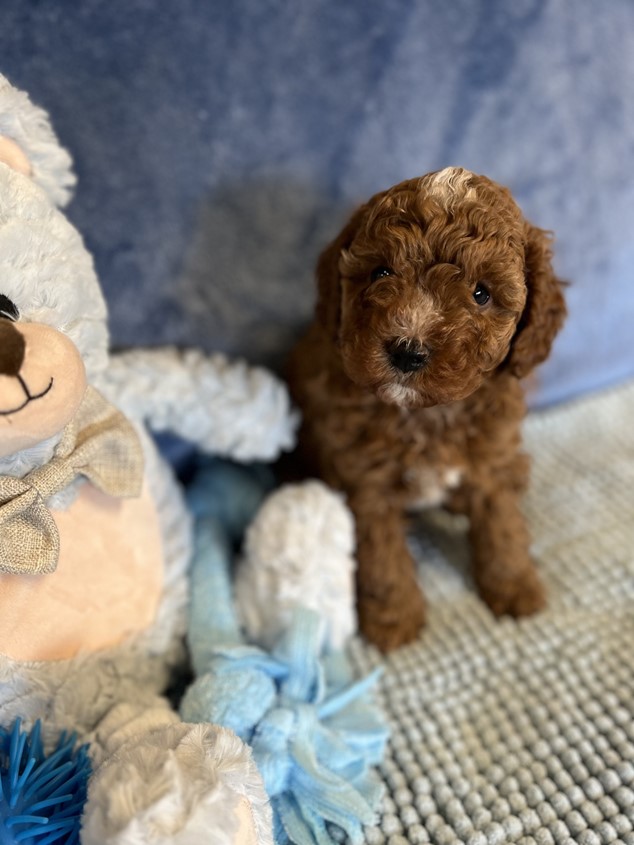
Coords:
380,272
481,294
7,309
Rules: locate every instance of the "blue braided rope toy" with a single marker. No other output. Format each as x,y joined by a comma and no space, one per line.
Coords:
314,731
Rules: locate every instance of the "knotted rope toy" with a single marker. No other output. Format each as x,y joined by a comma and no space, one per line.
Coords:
313,729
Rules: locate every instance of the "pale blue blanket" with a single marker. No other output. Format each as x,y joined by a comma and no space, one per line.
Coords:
220,144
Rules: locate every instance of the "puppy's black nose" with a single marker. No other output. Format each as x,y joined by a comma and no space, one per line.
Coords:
12,348
407,357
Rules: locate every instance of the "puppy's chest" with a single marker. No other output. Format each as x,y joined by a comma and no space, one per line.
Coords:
434,455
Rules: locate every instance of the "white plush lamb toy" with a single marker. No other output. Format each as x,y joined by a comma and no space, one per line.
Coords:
94,536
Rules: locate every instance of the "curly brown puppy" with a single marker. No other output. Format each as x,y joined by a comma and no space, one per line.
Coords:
433,302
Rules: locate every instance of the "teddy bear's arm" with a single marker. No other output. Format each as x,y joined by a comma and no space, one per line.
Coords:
225,407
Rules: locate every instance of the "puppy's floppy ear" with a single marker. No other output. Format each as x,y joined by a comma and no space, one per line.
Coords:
328,307
545,308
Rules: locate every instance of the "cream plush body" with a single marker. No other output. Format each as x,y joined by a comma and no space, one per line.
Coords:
90,646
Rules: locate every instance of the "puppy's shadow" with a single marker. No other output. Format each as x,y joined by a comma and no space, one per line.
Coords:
246,285
438,541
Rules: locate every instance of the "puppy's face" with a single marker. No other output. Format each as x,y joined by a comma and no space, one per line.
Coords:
432,285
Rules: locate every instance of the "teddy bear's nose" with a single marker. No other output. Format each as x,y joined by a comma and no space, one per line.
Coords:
12,348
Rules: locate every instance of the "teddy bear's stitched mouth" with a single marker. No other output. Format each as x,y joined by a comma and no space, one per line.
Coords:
29,396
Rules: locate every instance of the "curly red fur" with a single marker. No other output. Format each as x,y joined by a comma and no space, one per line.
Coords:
446,431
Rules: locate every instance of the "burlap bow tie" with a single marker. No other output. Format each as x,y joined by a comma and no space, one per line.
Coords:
100,444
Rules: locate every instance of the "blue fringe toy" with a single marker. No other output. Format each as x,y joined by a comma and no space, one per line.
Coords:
313,729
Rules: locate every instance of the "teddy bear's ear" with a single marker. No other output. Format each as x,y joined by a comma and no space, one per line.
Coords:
29,145
545,307
13,155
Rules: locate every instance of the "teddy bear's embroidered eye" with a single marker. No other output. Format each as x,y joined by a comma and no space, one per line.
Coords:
481,294
380,273
7,309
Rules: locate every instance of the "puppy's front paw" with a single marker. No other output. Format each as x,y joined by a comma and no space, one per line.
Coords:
520,596
389,625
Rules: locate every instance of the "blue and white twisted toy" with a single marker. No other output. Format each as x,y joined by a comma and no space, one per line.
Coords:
313,729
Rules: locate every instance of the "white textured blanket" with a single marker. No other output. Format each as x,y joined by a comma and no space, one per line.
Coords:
523,732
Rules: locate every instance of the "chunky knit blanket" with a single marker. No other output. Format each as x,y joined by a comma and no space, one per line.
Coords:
523,732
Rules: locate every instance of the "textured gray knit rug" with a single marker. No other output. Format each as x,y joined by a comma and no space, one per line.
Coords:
523,732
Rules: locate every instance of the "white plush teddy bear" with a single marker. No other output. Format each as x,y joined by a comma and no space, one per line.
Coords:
94,537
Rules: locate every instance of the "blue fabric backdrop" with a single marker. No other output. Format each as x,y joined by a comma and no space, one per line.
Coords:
220,144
